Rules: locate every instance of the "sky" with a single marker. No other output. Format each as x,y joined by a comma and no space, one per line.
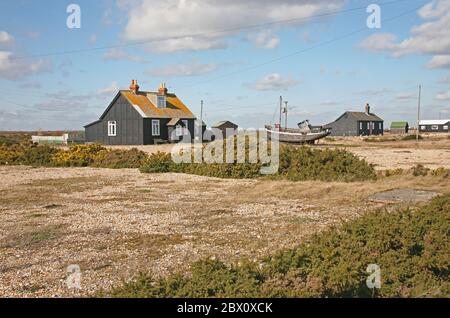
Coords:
58,72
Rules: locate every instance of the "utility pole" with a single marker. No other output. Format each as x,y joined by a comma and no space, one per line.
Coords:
418,114
201,120
285,114
281,107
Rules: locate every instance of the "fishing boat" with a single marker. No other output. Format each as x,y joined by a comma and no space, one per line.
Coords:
305,133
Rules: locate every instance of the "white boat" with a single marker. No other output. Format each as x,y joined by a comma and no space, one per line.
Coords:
305,133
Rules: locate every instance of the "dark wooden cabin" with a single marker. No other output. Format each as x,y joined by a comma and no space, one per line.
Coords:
141,118
353,123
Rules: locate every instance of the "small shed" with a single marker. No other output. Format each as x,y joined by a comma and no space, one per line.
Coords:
399,127
226,127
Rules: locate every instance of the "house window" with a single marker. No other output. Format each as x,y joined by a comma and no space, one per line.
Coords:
435,127
112,128
368,125
423,127
186,127
179,130
360,126
379,126
161,102
155,127
445,127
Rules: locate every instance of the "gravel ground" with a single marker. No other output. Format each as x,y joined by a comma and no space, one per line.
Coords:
114,224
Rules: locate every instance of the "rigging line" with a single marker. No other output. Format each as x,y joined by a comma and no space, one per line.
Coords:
200,34
300,51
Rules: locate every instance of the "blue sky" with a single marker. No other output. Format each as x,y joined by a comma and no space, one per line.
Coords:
238,57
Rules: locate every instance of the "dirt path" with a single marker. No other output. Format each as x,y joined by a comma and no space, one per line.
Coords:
115,223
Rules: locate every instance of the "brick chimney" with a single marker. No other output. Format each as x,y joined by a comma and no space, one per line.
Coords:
367,109
134,87
162,89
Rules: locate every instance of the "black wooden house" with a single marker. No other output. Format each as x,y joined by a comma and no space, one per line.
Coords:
353,123
141,118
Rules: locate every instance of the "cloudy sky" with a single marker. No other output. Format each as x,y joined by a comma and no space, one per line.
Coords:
238,56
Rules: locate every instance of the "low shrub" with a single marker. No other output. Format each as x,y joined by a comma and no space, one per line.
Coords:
410,247
296,164
77,155
419,171
9,155
411,137
157,163
38,155
119,158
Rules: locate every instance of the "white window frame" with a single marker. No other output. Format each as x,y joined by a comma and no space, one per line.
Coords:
186,127
161,101
112,128
360,125
423,128
445,127
379,126
179,130
156,127
435,127
368,125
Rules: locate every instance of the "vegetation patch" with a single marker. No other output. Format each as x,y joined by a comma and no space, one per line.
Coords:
410,247
296,164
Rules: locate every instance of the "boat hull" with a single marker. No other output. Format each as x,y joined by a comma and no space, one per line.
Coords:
296,138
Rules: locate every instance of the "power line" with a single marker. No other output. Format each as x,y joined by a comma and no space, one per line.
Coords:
200,34
300,51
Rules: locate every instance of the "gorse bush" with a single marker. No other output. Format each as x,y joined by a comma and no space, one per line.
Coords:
304,163
38,155
78,155
411,137
410,247
117,159
296,164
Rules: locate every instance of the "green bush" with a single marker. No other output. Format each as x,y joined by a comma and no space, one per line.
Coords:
411,137
118,158
38,155
411,248
157,163
296,164
419,170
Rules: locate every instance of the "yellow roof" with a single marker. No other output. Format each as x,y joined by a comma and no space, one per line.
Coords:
174,106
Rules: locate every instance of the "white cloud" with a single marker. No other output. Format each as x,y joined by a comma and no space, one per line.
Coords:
6,38
174,19
443,96
439,61
109,90
192,68
117,54
264,39
13,69
432,37
274,82
379,42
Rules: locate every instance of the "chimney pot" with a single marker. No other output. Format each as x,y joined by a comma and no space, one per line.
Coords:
134,87
162,89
